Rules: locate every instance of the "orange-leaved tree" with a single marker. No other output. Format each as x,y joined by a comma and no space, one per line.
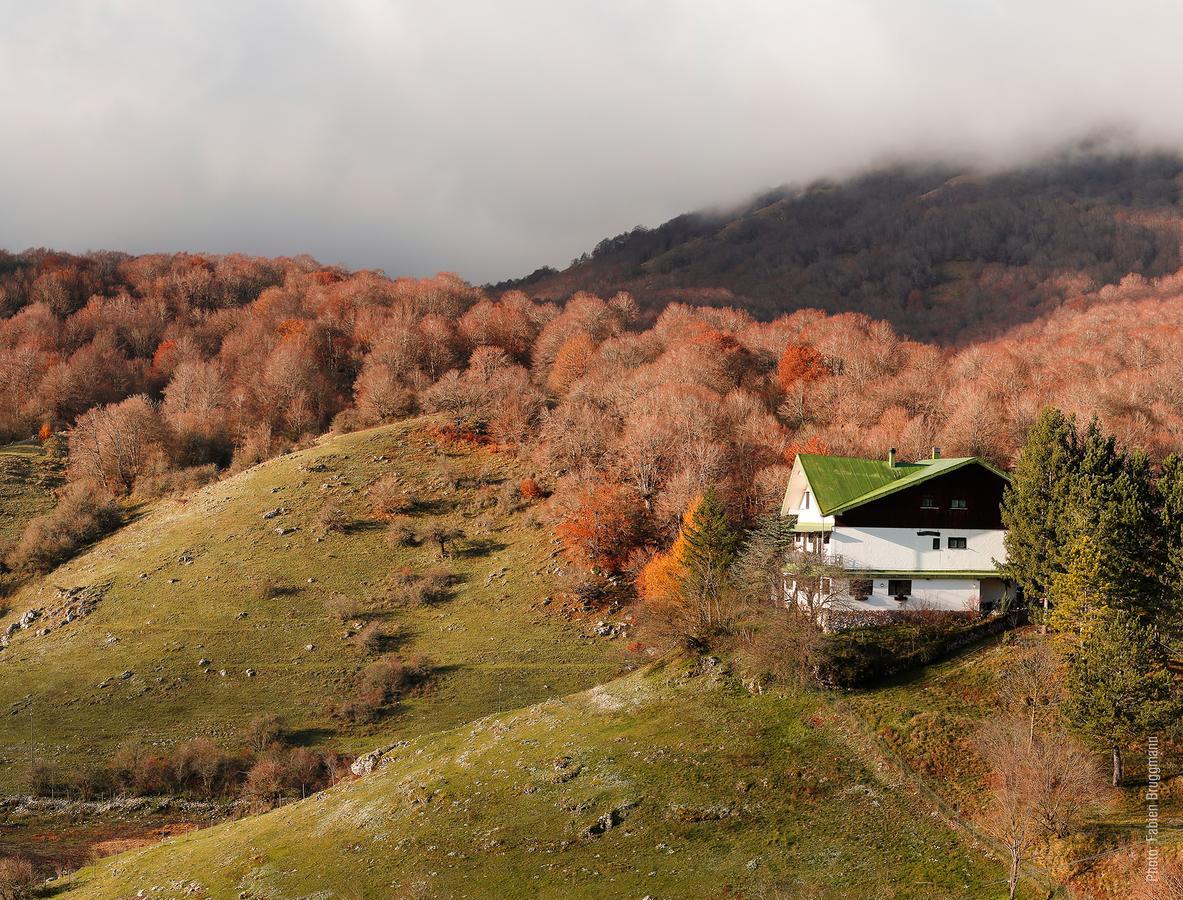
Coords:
687,586
800,366
603,526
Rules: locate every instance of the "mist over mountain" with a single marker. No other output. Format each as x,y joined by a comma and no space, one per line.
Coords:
944,254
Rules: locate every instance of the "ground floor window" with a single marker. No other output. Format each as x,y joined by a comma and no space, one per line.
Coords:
900,588
861,588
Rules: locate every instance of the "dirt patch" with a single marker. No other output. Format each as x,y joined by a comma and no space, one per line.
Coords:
111,846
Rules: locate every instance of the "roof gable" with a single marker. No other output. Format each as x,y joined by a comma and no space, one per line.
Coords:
840,483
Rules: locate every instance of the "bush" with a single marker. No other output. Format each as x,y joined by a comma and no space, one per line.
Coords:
84,513
388,499
264,731
373,639
333,517
16,878
381,685
401,533
344,607
410,589
529,489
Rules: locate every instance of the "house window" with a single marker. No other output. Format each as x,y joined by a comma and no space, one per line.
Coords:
958,503
936,543
928,501
805,500
956,543
899,588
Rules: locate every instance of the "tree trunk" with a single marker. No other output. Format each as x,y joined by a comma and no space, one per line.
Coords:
1043,624
1014,872
1118,769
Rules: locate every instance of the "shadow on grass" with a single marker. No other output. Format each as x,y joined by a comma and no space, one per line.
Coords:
309,737
479,547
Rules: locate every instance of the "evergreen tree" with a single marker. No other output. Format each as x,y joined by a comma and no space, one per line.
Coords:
1119,687
1035,504
759,569
710,548
1170,491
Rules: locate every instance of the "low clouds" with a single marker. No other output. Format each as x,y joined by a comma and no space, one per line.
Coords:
491,138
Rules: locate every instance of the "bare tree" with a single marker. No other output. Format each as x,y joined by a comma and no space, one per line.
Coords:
1041,786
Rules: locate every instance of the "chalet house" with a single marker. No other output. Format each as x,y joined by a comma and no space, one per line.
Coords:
895,535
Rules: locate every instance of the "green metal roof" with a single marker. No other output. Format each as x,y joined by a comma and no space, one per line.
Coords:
840,483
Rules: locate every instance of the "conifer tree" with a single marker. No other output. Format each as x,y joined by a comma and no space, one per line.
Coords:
1033,508
759,568
1170,491
1119,687
711,545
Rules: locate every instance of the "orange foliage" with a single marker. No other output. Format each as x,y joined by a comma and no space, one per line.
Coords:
813,445
529,489
660,582
799,365
45,432
165,356
603,527
571,363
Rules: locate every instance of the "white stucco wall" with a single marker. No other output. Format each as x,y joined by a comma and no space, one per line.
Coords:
953,594
902,549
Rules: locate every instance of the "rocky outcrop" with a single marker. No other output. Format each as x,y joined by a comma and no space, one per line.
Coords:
374,760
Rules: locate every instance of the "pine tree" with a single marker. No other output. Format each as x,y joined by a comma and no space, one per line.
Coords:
711,545
1170,491
759,569
1035,504
1119,687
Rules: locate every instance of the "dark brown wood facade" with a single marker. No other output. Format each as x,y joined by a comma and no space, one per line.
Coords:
932,504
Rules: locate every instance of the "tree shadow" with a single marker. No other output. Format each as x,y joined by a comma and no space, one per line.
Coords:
309,737
476,548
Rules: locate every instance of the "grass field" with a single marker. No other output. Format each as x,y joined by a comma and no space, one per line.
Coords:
27,479
927,718
210,578
670,782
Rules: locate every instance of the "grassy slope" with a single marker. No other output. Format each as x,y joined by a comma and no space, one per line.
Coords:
499,648
927,719
715,791
26,490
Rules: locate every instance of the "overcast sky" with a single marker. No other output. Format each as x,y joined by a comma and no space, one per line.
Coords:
489,138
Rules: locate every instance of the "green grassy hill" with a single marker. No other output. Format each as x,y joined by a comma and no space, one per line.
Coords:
27,480
209,578
670,782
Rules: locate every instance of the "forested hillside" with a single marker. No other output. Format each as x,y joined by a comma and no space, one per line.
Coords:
942,254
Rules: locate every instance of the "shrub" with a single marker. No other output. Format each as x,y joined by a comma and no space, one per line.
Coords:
332,517
400,533
529,490
16,878
381,685
344,607
409,589
264,731
440,535
388,499
373,639
265,780
84,513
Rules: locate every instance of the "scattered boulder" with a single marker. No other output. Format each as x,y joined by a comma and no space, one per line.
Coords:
272,513
369,762
249,673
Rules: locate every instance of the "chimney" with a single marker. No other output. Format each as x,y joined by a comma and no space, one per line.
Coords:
936,452
891,457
